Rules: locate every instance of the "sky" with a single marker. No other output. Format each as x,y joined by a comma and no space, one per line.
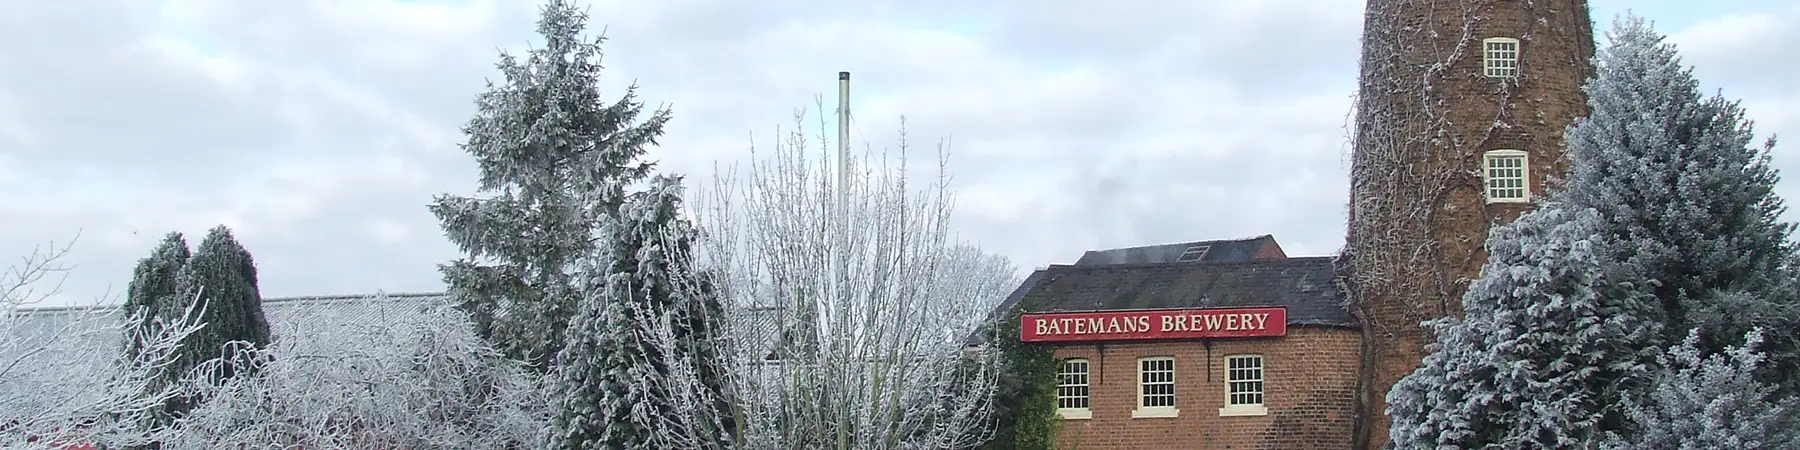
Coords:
318,130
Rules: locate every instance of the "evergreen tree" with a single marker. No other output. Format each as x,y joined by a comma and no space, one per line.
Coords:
1703,403
554,160
153,283
1687,197
645,319
221,279
1547,346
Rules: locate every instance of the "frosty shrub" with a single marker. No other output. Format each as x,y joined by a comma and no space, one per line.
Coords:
875,358
1711,402
369,373
61,381
1548,343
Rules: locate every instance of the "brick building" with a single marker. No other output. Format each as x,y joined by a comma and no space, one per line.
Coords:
1199,345
1459,126
1460,122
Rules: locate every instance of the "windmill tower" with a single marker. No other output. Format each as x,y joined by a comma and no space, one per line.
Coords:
1459,125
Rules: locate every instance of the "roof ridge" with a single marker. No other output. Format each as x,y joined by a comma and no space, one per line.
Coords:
1146,265
296,299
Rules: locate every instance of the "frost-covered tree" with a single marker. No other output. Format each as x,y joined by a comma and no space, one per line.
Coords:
431,383
154,282
221,280
554,160
1686,195
875,357
1549,346
1710,402
613,375
55,389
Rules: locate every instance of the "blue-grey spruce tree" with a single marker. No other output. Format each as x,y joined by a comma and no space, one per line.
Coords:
1548,340
1702,403
645,332
554,160
1688,198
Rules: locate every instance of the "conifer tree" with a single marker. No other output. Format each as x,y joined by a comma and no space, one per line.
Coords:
648,318
1549,343
1701,402
221,279
1687,197
153,282
1683,233
554,159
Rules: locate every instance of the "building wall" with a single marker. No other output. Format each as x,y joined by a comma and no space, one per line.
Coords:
1427,113
1309,389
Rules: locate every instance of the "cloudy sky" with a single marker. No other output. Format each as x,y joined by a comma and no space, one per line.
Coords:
319,129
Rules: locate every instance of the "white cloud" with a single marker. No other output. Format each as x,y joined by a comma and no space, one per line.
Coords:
319,129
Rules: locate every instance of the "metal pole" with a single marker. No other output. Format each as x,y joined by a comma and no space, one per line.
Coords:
843,183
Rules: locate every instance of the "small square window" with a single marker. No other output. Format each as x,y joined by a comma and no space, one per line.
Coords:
1156,388
1506,176
1243,386
1500,57
1072,389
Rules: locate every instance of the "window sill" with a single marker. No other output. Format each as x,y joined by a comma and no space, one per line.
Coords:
1155,413
1515,201
1075,413
1243,410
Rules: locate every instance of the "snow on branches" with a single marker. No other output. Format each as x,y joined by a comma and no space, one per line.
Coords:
61,381
875,358
369,373
1710,402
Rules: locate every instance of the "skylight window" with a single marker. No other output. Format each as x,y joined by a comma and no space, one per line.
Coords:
1194,253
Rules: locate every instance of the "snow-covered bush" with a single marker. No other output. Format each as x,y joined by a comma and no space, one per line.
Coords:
61,379
1548,343
370,373
1710,402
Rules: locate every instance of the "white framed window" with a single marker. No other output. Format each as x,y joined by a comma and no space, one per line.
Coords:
1506,176
1156,388
1072,389
1500,57
1244,386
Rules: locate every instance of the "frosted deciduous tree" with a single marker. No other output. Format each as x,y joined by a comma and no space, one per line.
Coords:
554,160
646,321
875,357
1550,344
55,388
1687,196
430,383
1710,402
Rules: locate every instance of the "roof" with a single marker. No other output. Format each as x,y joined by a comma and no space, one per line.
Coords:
1222,250
1306,286
70,336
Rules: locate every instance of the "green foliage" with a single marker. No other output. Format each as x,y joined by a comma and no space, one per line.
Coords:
221,278
554,160
1025,401
154,282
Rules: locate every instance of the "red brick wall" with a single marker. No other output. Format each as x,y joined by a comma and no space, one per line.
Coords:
1270,250
1413,258
1309,387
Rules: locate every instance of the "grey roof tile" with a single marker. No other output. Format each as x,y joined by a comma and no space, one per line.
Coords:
1306,286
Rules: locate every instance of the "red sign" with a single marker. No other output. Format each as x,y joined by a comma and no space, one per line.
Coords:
1153,324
